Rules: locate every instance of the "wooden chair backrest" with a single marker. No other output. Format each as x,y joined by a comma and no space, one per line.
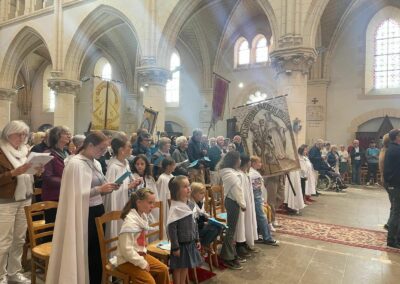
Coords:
160,222
38,231
107,245
217,199
208,202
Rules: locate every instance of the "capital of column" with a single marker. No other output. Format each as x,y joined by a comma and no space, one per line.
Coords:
153,75
293,60
7,94
64,85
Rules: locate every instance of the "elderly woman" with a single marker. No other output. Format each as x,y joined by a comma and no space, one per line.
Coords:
15,193
59,137
180,156
163,151
76,143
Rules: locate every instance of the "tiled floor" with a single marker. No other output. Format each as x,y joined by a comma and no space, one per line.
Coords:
300,260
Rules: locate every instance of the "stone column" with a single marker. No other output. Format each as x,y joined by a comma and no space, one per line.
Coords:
206,111
292,67
5,105
152,82
64,112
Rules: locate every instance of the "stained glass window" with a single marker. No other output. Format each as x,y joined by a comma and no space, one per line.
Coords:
244,53
261,50
172,92
387,55
256,97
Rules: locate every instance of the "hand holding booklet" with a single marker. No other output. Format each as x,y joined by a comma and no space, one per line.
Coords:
37,160
121,179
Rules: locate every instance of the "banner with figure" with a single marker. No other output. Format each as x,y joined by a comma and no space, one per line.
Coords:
106,105
266,132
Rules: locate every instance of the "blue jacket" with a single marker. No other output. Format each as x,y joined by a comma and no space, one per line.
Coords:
316,159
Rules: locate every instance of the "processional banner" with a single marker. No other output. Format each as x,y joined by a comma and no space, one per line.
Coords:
266,132
106,105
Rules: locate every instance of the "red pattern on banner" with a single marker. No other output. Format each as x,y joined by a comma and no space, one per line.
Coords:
220,93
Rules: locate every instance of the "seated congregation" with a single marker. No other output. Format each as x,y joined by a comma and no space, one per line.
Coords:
117,208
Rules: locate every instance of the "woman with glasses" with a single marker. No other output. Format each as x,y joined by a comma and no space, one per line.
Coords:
75,255
15,193
59,137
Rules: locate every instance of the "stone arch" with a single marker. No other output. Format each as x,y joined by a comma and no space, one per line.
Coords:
313,17
26,41
178,120
356,122
89,31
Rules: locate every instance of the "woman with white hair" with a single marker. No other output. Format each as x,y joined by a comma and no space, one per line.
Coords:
16,188
180,156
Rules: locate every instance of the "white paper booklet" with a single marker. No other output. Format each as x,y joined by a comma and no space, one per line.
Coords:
37,160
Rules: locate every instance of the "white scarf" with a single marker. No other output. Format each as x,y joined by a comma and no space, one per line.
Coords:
17,158
178,210
134,223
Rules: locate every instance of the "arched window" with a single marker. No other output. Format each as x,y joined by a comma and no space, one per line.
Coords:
387,55
244,53
256,97
172,88
382,53
103,69
261,49
49,96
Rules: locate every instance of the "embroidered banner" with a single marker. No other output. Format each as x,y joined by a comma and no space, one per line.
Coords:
106,105
220,92
266,132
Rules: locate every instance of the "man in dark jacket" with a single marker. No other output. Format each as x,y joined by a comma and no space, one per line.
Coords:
237,140
391,173
215,152
194,148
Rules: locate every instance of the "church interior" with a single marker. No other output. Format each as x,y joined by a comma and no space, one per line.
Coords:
117,65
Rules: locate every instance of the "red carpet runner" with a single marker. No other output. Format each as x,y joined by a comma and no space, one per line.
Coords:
344,235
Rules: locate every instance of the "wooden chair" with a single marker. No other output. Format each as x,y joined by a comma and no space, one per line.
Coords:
217,201
152,248
37,230
107,246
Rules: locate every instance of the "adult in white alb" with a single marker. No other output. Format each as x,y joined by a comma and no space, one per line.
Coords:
75,255
307,172
294,202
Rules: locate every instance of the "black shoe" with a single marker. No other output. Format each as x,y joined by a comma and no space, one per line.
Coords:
396,246
386,227
271,242
233,265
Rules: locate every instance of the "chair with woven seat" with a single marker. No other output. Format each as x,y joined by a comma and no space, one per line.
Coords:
38,230
107,246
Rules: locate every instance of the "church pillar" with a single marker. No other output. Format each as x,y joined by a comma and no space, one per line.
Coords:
292,67
316,110
5,105
64,111
152,82
206,111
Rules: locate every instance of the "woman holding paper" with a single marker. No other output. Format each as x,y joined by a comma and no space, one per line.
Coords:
75,255
59,137
15,193
118,166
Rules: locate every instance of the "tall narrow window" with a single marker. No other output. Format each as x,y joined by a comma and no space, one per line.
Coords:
261,50
106,72
172,88
103,69
49,96
244,53
387,55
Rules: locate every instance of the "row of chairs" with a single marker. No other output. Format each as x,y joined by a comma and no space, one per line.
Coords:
38,231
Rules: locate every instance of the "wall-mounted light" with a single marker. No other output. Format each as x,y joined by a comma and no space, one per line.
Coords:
141,89
240,85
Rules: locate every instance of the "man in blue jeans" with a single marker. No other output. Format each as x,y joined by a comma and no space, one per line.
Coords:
258,188
391,173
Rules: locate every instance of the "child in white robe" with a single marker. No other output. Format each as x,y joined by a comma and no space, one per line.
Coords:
294,202
168,166
246,229
117,166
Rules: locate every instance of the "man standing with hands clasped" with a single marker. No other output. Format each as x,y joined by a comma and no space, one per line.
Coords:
391,174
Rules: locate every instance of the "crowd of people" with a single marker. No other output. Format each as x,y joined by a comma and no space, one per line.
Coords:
82,177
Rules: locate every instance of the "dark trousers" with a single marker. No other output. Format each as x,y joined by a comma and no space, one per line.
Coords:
228,251
95,265
303,186
394,219
355,171
372,171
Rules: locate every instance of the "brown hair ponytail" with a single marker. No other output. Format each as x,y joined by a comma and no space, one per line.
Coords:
140,194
